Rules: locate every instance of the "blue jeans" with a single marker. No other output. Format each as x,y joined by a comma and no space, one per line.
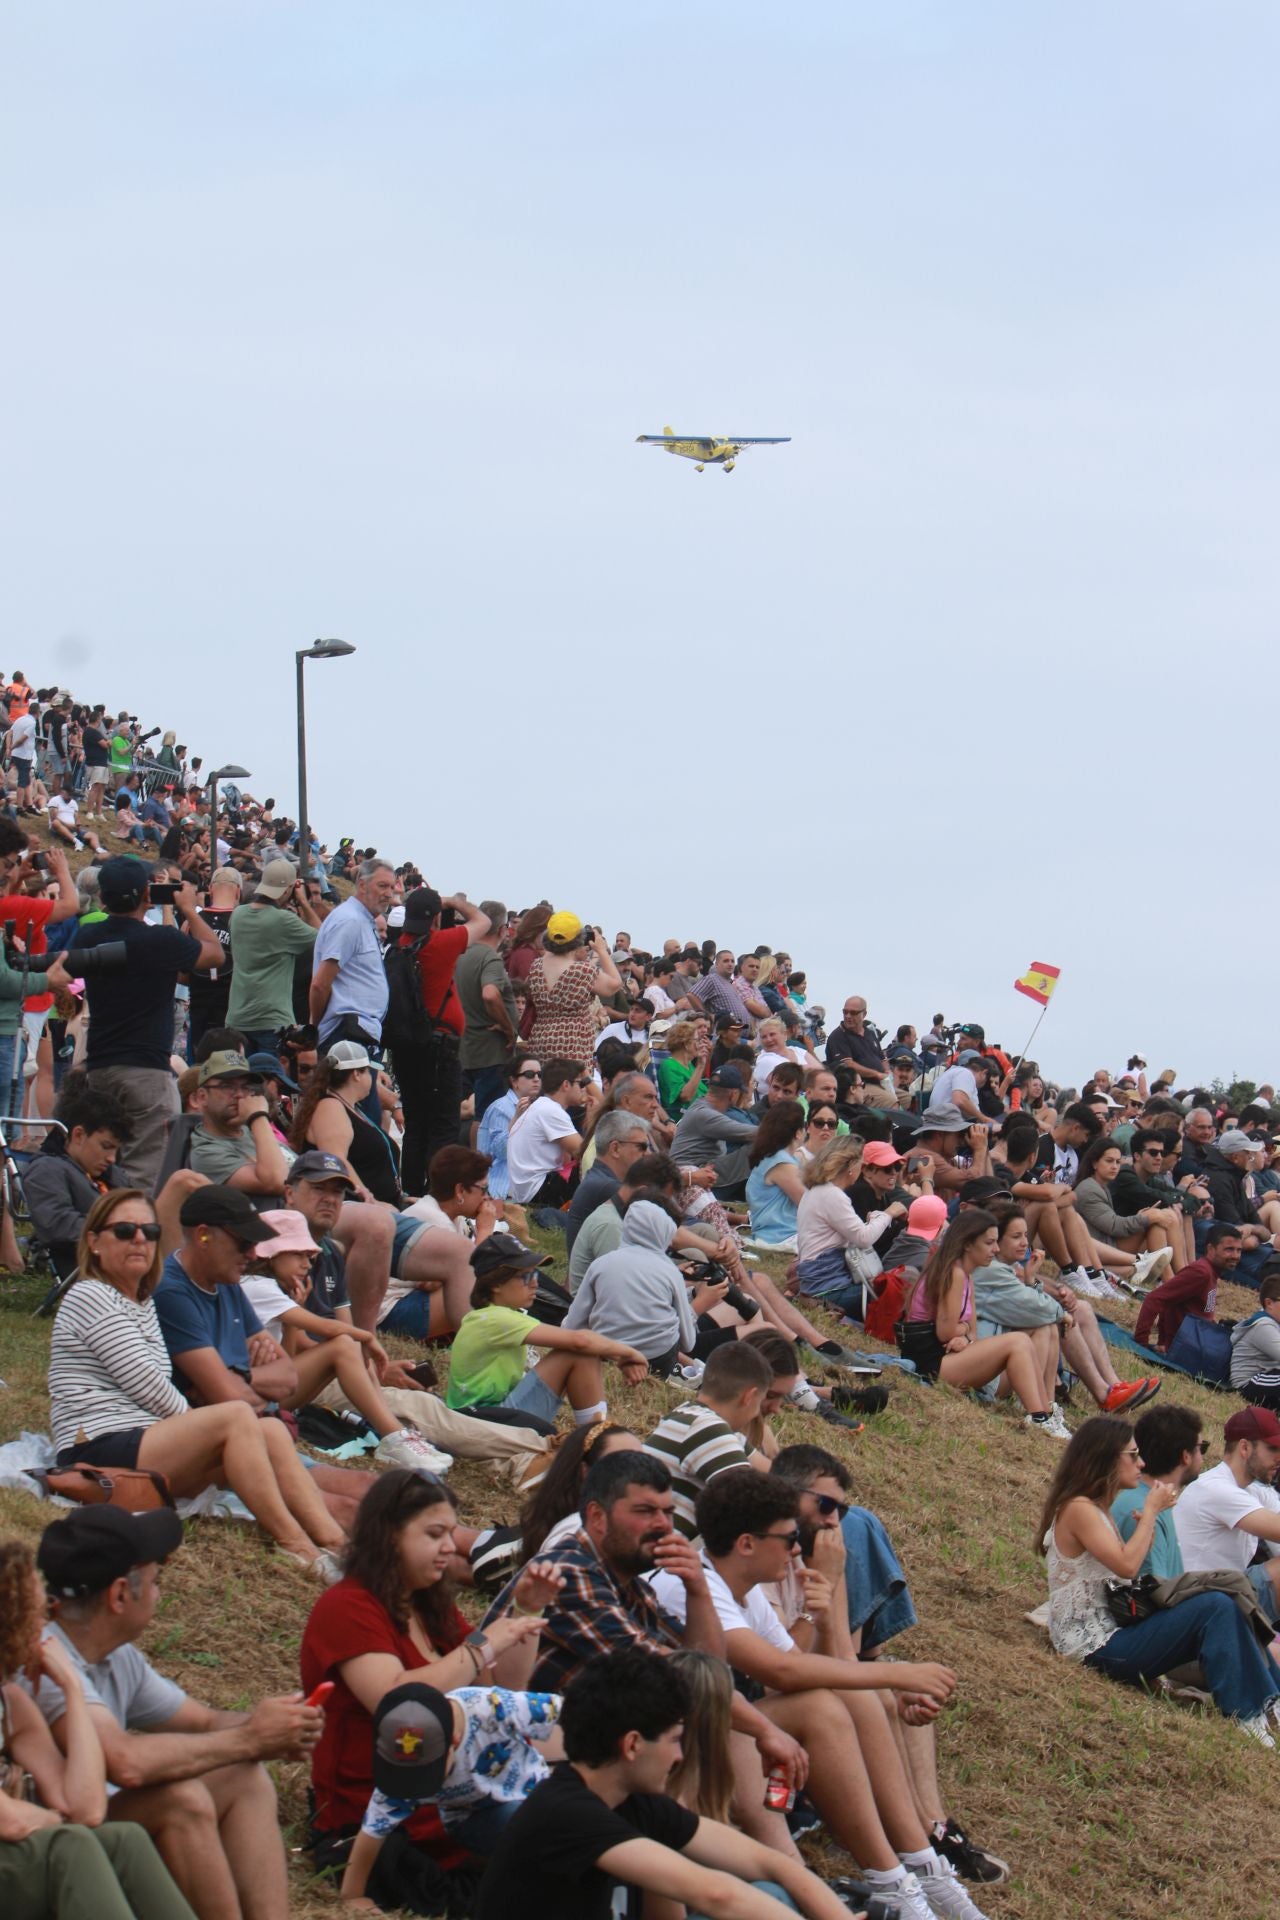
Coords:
1211,1629
487,1085
9,1042
826,1279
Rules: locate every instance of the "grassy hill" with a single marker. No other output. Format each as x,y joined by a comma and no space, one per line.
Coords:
1105,1801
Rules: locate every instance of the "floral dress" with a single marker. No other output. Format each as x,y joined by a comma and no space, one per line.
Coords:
1079,1622
563,1027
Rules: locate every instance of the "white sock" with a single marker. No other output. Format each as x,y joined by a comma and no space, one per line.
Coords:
884,1876
587,1416
926,1861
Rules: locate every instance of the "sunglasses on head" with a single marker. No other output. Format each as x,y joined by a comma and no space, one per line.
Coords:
130,1229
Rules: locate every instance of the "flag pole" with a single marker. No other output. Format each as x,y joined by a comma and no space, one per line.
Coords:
1034,1031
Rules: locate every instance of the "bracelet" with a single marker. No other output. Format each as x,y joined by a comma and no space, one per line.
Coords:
526,1613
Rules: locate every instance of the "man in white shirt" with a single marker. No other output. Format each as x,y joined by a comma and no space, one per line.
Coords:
1222,1518
64,821
543,1138
634,1030
20,746
751,1535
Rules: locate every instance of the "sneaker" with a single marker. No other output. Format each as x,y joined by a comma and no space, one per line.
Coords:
803,1396
945,1893
1059,1432
1124,1394
970,1861
408,1449
860,1399
1081,1281
901,1899
1151,1265
1257,1729
1056,1425
1150,1388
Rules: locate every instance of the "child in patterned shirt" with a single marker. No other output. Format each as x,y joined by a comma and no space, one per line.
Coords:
476,1753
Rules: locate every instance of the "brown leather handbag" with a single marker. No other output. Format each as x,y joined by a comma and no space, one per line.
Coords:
136,1489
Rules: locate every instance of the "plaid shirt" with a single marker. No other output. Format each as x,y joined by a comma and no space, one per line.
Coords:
599,1611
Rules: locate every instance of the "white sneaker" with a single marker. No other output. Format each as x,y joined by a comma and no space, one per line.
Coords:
408,1449
1151,1265
1082,1283
1059,1432
1257,1730
803,1396
903,1899
945,1892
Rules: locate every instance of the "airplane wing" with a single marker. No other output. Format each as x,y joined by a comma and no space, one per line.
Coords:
686,439
747,440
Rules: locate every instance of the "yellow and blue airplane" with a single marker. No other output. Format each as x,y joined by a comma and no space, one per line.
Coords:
706,449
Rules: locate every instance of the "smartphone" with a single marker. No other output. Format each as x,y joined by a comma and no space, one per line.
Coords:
321,1693
40,861
162,892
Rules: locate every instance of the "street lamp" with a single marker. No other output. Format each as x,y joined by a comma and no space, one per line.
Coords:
219,773
322,650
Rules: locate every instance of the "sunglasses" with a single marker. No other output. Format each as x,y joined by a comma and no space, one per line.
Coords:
827,1504
528,1076
789,1540
130,1229
825,1126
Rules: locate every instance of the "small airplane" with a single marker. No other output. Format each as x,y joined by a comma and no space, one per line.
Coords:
706,449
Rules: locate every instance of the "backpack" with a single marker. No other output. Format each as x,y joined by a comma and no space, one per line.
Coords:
1204,1349
406,1022
889,1303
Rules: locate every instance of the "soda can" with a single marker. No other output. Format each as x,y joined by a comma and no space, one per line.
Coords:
779,1795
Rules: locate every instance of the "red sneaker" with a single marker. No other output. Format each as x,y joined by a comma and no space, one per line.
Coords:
1124,1394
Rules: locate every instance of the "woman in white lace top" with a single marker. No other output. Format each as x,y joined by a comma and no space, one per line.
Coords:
1084,1550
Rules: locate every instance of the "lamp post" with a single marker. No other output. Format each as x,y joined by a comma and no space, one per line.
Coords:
322,650
219,773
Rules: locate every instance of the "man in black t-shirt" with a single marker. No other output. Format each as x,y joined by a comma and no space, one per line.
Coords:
131,1010
604,1817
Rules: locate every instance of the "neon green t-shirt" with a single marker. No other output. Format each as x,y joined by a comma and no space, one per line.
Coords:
487,1359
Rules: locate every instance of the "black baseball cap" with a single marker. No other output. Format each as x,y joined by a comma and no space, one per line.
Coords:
87,1549
726,1020
421,908
267,1067
228,1208
315,1165
412,1735
504,1250
727,1077
121,879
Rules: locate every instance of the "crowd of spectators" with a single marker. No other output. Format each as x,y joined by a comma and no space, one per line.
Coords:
292,1121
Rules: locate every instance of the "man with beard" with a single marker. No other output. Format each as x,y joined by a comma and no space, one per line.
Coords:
1173,1455
605,1605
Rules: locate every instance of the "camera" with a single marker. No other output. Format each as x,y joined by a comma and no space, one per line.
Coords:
162,893
83,962
709,1273
40,861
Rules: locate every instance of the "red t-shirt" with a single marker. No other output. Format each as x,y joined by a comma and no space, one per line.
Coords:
29,918
436,962
344,1623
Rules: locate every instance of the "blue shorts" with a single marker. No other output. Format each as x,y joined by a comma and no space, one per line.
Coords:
408,1231
533,1395
1265,1591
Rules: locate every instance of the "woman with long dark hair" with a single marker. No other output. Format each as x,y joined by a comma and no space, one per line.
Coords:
1139,1243
1085,1551
774,1185
390,1620
58,1854
936,1330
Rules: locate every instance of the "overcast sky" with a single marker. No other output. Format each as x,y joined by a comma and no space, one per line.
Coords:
343,319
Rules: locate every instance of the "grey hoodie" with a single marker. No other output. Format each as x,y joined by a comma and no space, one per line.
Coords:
636,1294
1255,1347
1001,1296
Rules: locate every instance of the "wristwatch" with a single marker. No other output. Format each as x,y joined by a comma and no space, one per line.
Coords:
488,1659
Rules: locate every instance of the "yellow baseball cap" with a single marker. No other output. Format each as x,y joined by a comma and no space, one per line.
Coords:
562,928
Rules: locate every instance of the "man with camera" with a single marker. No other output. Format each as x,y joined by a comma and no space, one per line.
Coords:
131,1007
268,934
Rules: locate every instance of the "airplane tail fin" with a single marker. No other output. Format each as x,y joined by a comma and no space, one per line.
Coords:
668,433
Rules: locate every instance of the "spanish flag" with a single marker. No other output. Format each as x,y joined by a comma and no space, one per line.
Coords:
1038,982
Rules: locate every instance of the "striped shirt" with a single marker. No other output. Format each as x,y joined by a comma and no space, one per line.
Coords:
695,1444
109,1368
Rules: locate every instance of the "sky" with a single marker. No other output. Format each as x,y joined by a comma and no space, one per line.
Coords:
342,320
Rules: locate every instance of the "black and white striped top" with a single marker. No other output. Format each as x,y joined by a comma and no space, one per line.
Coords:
109,1367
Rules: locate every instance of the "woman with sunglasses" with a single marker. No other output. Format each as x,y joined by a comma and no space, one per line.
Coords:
524,1086
113,1402
1085,1553
821,1129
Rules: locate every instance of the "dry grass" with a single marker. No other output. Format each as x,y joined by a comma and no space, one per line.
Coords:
1105,1801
